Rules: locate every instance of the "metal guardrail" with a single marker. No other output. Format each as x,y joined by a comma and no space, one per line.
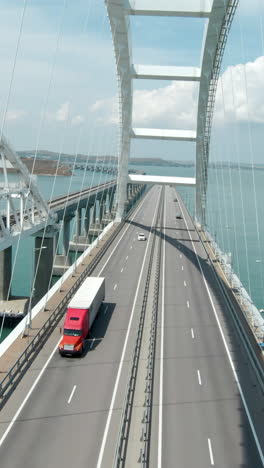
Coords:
123,434
252,355
147,417
15,373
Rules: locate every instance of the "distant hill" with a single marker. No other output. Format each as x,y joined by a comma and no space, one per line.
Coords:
69,159
104,159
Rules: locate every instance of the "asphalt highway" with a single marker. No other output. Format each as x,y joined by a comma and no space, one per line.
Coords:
72,415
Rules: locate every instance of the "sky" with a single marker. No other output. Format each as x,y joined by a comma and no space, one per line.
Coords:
60,93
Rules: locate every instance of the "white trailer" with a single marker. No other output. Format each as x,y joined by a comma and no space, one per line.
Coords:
89,296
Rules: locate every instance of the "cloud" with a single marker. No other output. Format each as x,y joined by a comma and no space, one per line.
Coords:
13,114
173,106
169,106
63,112
106,110
77,120
240,93
239,97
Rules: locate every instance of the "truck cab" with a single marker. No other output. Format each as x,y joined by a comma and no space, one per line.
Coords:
81,313
75,331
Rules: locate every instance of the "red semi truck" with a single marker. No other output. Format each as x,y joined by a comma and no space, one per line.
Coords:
80,315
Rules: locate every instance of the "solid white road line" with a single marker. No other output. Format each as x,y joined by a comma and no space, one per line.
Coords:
72,393
192,333
115,286
232,365
159,465
199,377
13,420
188,304
210,452
110,412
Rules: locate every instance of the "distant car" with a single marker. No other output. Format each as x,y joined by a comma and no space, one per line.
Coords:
141,236
175,199
178,215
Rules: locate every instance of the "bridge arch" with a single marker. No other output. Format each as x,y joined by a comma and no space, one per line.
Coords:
219,14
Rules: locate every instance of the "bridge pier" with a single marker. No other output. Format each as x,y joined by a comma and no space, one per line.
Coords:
87,218
80,241
94,212
102,211
43,264
78,215
5,273
111,200
62,263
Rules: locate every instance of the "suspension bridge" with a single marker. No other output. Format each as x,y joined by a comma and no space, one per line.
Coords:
173,371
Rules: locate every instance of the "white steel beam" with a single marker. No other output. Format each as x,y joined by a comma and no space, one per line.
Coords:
192,8
149,72
161,180
215,36
14,159
163,134
119,23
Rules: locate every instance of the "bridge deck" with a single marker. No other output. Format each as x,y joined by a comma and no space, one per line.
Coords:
73,415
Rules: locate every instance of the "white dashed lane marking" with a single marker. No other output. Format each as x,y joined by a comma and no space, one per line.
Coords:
210,452
72,393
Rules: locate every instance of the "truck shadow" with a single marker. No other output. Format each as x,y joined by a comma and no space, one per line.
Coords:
99,327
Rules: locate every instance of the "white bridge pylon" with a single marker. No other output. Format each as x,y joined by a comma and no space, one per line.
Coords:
23,211
218,15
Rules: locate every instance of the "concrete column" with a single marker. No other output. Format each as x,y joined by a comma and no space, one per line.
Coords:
111,200
66,235
78,222
43,264
87,219
94,212
62,262
101,209
5,272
